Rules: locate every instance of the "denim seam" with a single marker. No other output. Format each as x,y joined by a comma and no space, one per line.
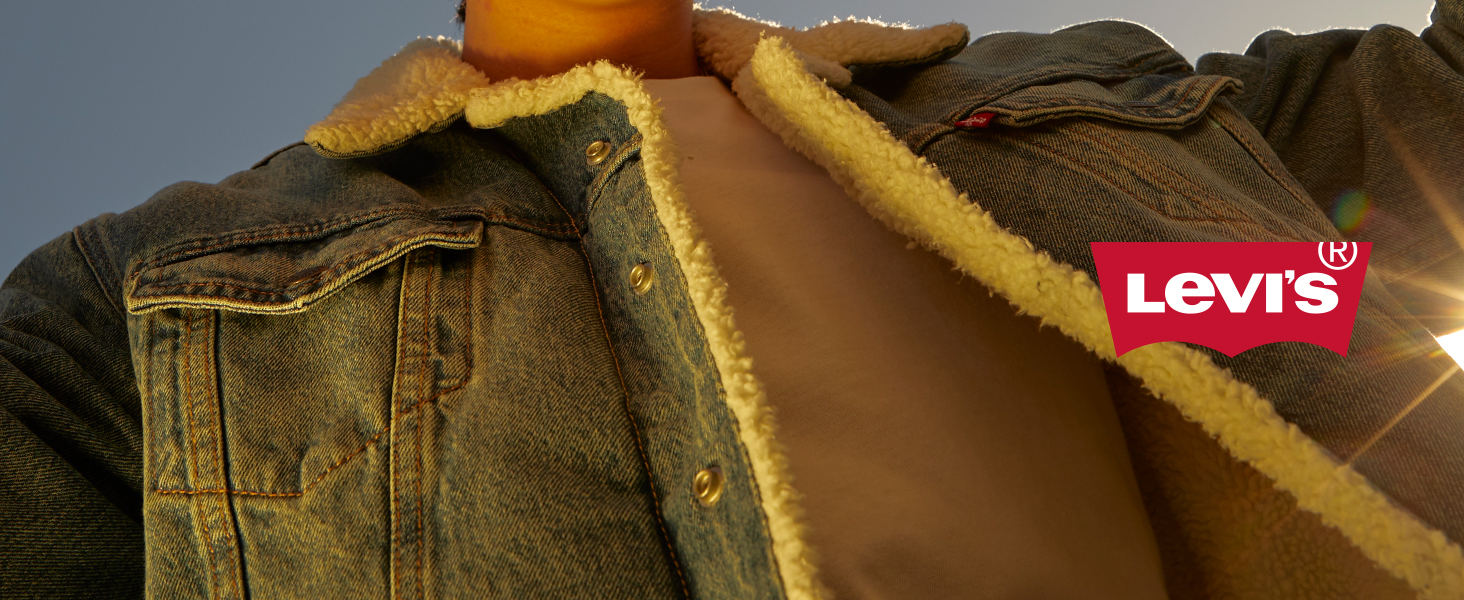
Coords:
1094,171
920,137
218,448
320,228
232,492
1184,107
629,415
1170,176
421,532
1136,66
92,265
318,478
602,179
264,161
1222,117
149,400
468,353
302,232
639,442
404,295
394,520
407,358
919,148
426,372
309,284
1141,64
299,286
598,185
721,390
1178,98
721,397
239,492
1166,176
186,389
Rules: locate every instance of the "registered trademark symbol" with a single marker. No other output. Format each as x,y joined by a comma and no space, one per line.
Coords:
1337,255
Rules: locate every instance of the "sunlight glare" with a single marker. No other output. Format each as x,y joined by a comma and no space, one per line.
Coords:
1453,343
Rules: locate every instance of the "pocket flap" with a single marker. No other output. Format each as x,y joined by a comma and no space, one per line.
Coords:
283,269
1160,101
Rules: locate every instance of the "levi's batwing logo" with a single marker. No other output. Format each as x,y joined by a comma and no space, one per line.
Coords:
1231,296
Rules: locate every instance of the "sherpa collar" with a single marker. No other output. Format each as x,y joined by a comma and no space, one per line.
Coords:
426,86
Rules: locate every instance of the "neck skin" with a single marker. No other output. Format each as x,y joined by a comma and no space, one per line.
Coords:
533,38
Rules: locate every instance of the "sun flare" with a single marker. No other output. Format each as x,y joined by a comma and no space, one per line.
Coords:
1453,343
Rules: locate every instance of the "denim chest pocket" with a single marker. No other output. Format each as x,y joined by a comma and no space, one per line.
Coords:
1159,155
1161,101
268,356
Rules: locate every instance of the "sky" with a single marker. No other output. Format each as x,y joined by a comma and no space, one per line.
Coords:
104,103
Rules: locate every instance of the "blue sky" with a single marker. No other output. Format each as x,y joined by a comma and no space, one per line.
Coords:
104,103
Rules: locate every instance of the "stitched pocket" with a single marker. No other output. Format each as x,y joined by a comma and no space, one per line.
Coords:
284,269
271,352
1167,142
1159,101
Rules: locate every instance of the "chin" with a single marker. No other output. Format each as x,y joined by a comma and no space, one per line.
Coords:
620,3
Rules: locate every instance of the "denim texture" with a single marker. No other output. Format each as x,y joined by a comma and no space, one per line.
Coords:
424,373
1160,152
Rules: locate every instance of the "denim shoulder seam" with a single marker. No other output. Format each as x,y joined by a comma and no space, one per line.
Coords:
269,157
112,292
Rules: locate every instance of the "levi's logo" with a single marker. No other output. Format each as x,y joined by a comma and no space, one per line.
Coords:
1231,296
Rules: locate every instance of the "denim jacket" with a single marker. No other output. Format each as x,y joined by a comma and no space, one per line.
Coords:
438,349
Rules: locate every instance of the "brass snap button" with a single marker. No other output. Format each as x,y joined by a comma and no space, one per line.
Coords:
597,152
707,486
641,277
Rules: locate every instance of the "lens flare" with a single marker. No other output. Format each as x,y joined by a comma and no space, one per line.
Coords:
1350,210
1453,343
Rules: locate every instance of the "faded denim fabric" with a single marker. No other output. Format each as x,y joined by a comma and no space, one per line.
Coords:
425,373
458,411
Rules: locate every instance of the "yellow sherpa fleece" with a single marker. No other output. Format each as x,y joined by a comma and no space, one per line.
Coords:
910,195
421,88
424,86
491,106
785,80
725,40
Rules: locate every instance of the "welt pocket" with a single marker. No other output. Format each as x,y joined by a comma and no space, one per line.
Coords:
285,269
1158,101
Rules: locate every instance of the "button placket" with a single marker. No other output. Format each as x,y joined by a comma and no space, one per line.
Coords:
688,437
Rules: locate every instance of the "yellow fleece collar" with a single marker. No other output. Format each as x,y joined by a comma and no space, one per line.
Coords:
426,86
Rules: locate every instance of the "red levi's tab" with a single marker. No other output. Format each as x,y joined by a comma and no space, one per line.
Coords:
1231,296
978,120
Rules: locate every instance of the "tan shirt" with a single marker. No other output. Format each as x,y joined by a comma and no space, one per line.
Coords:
945,446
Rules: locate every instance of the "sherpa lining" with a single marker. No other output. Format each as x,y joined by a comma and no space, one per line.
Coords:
424,87
910,195
427,86
492,106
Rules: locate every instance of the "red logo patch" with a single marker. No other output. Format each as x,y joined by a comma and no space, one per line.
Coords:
978,120
1231,296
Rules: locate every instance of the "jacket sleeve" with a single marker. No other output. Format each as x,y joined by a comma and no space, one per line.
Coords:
1367,122
70,434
